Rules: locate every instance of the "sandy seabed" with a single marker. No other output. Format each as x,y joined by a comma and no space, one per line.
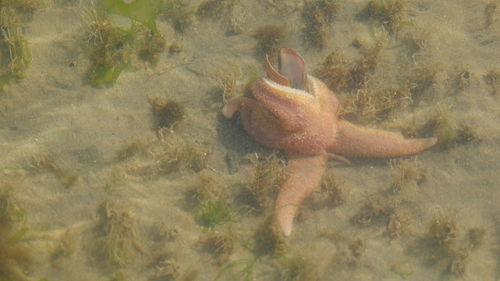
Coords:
54,125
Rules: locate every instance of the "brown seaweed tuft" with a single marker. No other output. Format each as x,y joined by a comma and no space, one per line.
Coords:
117,235
268,176
318,15
14,255
421,80
407,173
270,39
269,238
219,245
492,78
335,71
334,190
341,75
296,267
374,210
448,248
387,13
179,13
15,54
215,8
178,153
166,113
150,47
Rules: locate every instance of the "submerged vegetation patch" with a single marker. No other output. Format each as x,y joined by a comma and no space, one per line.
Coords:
111,47
269,238
333,190
297,267
15,54
214,213
166,113
407,174
388,13
117,238
268,177
212,201
492,78
448,248
220,10
448,131
180,13
270,39
176,153
143,11
342,75
14,256
318,15
215,8
220,245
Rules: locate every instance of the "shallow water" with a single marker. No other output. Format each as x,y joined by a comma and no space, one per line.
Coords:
106,195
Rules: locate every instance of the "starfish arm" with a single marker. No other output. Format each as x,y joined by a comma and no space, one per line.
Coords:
235,105
356,141
304,175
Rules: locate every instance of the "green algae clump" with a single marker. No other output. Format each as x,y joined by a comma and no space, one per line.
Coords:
15,55
143,11
16,48
109,49
215,213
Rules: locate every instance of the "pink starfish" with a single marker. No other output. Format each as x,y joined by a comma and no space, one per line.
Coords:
298,114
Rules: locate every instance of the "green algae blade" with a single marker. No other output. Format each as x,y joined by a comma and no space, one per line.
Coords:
143,11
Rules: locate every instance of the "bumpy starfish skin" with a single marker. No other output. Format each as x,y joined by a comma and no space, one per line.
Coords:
297,113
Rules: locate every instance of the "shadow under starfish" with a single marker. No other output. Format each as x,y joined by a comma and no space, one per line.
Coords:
298,114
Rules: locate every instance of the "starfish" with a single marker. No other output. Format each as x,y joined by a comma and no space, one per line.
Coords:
296,113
